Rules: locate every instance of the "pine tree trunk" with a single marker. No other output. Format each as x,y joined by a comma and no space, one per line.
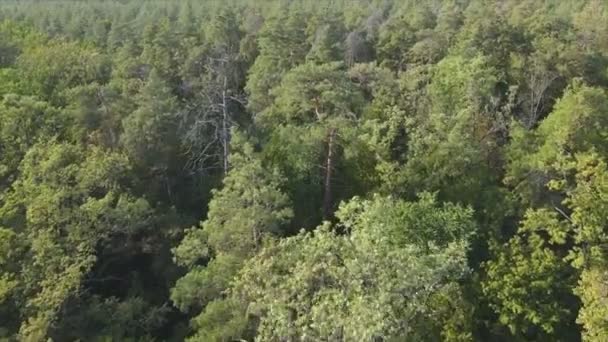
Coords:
329,164
225,133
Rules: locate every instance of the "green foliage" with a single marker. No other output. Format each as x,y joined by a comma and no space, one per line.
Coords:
64,206
222,320
281,44
8,248
577,124
530,280
328,38
314,93
119,117
589,203
458,84
247,210
395,39
544,162
158,49
149,131
51,69
380,280
24,122
317,109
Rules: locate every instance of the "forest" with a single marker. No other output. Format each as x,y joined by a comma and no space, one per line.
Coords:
303,171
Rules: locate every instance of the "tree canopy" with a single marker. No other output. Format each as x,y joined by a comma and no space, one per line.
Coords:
296,171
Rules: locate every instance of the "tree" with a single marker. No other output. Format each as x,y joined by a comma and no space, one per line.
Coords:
544,71
326,42
150,135
534,157
486,32
452,149
379,280
552,163
9,52
591,25
97,112
395,39
49,70
529,281
161,51
219,97
357,49
64,208
282,44
248,209
449,20
322,100
25,121
587,201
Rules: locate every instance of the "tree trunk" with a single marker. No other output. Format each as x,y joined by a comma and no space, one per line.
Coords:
255,237
329,164
225,128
